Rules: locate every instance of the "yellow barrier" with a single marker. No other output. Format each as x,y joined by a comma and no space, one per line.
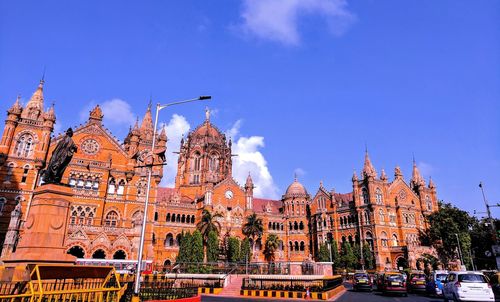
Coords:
64,283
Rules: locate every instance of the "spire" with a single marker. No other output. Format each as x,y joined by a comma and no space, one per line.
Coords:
163,134
416,178
96,114
16,107
249,182
34,108
397,173
431,183
50,114
147,122
354,176
383,176
368,169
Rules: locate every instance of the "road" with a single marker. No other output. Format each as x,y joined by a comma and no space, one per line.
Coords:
348,296
351,296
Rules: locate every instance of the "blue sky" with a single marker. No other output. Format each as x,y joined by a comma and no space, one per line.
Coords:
301,86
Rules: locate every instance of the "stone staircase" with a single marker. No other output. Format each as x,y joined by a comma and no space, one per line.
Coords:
233,288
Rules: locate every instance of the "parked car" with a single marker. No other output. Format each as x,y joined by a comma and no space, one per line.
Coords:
467,286
416,282
434,284
361,281
394,282
495,285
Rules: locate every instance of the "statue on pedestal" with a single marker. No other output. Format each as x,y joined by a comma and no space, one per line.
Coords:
61,156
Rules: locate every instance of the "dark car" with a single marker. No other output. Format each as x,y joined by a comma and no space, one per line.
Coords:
394,283
416,283
495,285
361,281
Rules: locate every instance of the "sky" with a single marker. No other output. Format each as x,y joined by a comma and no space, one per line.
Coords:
301,86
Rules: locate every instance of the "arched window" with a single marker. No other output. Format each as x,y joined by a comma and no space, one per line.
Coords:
153,238
364,196
169,240
291,246
296,245
167,218
120,254
183,218
394,240
302,246
80,182
428,203
197,161
301,225
99,254
10,171
88,183
367,217
24,147
121,187
295,226
95,185
213,163
25,173
112,186
141,188
192,219
378,196
381,216
72,180
76,251
111,219
137,219
156,216
383,239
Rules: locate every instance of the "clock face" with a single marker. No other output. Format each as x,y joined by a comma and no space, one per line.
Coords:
90,146
229,194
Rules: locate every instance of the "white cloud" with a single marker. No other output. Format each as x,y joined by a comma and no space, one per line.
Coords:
117,112
277,20
176,127
299,172
251,160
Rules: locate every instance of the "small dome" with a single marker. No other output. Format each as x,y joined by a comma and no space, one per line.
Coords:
296,188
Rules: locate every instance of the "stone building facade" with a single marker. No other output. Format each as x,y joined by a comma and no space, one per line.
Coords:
108,179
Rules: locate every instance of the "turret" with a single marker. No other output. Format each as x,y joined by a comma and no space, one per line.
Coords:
383,176
249,192
34,108
417,181
368,169
96,115
397,173
146,129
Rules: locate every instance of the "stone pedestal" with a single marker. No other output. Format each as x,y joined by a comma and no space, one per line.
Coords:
42,239
325,268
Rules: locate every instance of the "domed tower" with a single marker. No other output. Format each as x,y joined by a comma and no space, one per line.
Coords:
204,157
296,202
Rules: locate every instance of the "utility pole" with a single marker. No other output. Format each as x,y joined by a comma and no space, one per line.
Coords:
492,225
459,250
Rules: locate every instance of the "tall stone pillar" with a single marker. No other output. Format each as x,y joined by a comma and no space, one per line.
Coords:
45,229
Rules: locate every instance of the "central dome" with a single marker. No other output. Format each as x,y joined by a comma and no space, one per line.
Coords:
296,188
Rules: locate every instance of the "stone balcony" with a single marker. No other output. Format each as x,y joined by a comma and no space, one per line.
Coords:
91,229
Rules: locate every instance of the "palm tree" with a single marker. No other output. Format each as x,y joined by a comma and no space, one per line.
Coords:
208,223
253,228
272,244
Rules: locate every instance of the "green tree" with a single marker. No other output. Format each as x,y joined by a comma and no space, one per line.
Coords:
335,253
368,256
253,228
233,250
212,247
357,255
323,253
271,245
197,247
208,223
246,251
443,225
482,239
348,259
184,248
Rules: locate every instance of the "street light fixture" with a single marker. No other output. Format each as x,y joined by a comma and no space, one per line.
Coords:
146,203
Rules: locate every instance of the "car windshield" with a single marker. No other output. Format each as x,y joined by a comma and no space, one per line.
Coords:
361,276
471,278
441,277
417,276
395,278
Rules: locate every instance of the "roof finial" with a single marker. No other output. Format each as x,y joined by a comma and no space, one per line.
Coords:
295,176
42,80
207,114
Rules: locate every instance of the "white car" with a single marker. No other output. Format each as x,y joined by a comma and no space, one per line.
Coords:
467,286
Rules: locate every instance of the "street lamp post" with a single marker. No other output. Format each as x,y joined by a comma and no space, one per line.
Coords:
146,203
459,250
